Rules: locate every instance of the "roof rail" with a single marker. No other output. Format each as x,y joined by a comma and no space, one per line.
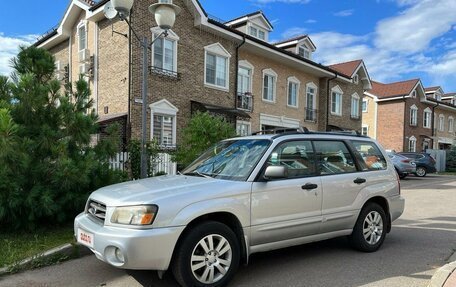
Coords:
277,131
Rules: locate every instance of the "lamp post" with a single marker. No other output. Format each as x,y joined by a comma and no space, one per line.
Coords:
165,13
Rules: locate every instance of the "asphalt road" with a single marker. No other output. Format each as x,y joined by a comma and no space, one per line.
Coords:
421,241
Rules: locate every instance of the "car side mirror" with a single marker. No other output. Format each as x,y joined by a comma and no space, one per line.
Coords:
276,172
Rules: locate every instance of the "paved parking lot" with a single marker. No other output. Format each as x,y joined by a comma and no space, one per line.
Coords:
421,241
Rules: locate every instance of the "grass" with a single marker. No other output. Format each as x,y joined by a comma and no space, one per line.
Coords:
16,247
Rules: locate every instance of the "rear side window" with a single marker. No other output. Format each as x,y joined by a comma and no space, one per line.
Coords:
333,157
297,156
371,157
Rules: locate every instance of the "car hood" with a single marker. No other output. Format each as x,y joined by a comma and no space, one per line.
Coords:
153,190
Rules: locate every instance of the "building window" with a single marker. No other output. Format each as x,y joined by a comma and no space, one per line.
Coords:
257,33
412,144
426,145
164,56
365,104
413,116
336,101
243,128
164,123
414,94
269,85
311,106
293,92
304,52
245,74
438,96
262,35
450,124
216,67
365,130
82,36
442,123
355,106
356,79
427,118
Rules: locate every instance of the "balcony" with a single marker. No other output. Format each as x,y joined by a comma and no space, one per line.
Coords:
311,115
244,101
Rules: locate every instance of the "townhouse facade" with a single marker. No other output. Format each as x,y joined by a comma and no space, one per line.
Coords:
203,64
405,116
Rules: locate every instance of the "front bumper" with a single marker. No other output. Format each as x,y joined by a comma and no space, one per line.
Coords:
396,206
149,249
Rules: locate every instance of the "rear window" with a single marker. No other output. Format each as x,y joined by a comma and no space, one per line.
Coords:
333,157
371,157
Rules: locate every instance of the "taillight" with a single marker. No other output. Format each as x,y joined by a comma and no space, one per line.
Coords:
406,160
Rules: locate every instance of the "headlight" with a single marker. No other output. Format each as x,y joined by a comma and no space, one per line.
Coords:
134,215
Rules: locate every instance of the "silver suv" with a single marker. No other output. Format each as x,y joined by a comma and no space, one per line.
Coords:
242,196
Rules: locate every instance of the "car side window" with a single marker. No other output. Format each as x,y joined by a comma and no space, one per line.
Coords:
333,157
371,157
297,156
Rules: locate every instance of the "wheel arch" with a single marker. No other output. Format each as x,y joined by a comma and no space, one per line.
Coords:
383,202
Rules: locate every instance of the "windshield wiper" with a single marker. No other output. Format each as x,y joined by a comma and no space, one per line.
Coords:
198,173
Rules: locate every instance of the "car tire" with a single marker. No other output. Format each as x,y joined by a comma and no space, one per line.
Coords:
370,229
421,171
198,262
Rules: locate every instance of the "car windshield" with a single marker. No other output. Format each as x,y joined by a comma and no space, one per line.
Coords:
231,160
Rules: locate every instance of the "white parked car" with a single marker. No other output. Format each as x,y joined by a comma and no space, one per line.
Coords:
242,196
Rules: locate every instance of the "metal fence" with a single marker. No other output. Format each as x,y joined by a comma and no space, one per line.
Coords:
440,158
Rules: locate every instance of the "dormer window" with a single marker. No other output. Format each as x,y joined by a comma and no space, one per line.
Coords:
257,32
356,79
304,52
438,96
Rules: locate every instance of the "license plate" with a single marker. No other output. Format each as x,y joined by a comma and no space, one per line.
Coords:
85,238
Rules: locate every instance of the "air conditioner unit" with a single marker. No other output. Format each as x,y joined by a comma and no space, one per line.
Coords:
84,69
84,56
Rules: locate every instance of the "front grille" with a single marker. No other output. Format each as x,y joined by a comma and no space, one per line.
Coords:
97,210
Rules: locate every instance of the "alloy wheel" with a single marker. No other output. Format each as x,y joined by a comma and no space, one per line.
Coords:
420,171
373,227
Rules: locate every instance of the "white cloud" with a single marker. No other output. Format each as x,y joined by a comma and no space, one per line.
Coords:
414,28
311,21
344,13
262,2
292,32
9,47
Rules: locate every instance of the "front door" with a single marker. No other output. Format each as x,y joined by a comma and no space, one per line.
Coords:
290,207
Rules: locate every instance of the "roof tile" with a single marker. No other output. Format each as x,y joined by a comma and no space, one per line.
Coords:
347,68
393,89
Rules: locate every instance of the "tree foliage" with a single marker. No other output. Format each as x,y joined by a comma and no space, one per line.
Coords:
203,131
48,162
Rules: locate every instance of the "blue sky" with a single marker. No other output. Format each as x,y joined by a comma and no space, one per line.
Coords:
398,39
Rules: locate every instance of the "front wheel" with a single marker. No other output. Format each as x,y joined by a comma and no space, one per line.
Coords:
207,256
369,232
421,171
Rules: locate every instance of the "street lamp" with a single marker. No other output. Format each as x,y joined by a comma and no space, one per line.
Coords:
165,13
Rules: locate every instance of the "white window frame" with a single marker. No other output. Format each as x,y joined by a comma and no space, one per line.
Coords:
356,79
413,121
164,108
80,25
306,50
244,123
450,124
258,29
297,82
273,74
441,122
156,31
367,106
412,144
355,98
247,65
413,94
427,114
217,50
367,130
339,91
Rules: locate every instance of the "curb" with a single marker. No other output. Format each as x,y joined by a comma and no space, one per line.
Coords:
67,249
442,275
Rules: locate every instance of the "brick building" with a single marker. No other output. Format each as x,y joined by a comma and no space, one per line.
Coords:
404,116
227,68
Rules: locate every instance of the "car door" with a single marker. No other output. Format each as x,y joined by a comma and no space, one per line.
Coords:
341,184
290,207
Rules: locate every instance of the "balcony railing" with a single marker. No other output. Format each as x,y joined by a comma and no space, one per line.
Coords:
244,102
311,115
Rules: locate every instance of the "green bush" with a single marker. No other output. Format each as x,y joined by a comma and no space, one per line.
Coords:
203,131
48,164
451,160
152,151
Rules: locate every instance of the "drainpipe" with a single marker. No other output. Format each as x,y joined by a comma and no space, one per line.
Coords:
433,123
404,140
328,104
236,81
130,67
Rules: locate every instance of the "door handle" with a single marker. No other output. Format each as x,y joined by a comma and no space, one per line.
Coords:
359,180
309,186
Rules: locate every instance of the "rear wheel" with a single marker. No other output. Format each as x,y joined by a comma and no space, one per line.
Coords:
421,171
207,256
369,232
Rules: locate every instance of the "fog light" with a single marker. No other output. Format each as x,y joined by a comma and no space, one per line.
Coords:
120,256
